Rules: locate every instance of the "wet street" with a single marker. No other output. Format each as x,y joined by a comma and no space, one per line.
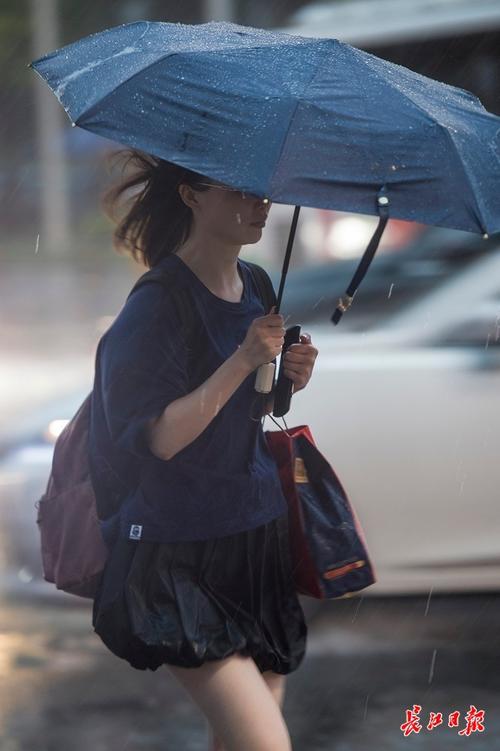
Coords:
369,659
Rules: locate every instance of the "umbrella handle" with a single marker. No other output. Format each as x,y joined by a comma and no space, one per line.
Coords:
264,379
284,385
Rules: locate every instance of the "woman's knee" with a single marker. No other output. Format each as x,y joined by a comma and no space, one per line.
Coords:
234,697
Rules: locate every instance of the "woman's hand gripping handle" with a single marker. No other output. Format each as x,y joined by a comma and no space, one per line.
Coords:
263,343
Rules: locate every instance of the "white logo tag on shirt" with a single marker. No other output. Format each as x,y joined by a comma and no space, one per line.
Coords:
135,531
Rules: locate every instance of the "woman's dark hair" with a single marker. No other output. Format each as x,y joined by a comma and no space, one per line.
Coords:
153,221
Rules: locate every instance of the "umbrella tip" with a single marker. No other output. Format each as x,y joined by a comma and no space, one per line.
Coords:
485,236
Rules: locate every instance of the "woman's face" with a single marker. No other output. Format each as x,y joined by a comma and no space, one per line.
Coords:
235,217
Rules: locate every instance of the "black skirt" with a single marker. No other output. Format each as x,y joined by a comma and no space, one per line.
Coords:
185,603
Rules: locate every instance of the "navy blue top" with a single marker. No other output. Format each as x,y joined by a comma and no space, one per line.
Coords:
223,482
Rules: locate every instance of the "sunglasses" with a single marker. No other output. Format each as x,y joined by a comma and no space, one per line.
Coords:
234,190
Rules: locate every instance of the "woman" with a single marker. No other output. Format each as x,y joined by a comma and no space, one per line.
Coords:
199,572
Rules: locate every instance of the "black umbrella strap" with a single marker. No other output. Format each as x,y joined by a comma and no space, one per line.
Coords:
346,300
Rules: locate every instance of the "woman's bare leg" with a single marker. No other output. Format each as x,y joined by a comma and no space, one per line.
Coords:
238,704
276,684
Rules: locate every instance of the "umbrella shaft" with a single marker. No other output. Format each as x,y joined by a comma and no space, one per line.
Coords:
286,260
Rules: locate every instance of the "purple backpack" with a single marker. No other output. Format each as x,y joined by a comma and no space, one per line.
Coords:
74,552
73,549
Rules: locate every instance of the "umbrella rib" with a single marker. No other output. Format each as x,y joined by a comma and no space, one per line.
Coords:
475,197
434,122
155,62
299,100
390,83
122,83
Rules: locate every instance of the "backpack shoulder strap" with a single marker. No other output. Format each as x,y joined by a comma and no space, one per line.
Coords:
268,297
264,285
168,278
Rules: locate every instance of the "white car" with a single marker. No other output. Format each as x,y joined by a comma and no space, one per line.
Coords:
408,413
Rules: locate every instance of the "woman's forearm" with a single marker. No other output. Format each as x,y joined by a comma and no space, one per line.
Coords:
184,419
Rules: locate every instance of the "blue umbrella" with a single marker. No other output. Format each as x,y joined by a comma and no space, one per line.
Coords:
299,120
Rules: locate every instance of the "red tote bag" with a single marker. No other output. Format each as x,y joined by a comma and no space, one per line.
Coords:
329,554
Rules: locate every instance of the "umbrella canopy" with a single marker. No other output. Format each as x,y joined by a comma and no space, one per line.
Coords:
302,121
